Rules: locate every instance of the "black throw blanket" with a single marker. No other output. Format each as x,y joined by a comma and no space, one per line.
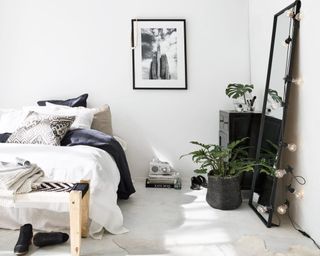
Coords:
4,137
105,142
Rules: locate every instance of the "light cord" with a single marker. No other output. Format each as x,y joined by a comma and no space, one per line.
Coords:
301,231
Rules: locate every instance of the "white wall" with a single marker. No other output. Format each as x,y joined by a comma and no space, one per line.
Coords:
62,48
304,121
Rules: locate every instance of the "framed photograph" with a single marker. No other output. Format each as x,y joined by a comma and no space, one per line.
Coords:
159,59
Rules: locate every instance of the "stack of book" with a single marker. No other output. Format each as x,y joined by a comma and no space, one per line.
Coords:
171,180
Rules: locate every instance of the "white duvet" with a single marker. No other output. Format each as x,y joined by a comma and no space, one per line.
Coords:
69,164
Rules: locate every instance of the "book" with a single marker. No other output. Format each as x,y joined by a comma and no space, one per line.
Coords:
176,183
172,175
150,185
162,181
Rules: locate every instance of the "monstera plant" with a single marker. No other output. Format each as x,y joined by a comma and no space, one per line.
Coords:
241,93
275,96
236,91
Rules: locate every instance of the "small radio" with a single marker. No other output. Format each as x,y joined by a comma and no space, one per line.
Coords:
158,167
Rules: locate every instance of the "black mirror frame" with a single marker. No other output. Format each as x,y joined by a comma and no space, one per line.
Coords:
288,79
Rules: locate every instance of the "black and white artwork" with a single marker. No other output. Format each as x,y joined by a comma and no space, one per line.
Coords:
159,54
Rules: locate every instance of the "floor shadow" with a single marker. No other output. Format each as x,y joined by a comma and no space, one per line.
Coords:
149,215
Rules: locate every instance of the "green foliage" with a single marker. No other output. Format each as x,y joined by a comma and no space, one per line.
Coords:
275,96
216,160
236,91
268,158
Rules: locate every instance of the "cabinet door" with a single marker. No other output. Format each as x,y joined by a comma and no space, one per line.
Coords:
223,139
240,126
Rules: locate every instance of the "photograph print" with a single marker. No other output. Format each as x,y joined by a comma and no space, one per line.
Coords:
159,54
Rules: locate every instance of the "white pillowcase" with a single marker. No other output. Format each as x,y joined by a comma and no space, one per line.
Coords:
10,119
84,116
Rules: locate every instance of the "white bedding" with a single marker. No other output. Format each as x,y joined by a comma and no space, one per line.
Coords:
69,164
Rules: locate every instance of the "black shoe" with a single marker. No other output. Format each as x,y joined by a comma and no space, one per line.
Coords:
24,240
203,181
49,238
195,183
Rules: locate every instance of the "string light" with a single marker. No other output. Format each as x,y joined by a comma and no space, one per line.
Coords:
297,81
282,209
298,16
290,13
290,146
263,209
281,172
297,194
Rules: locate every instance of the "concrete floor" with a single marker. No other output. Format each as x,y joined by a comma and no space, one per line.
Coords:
174,222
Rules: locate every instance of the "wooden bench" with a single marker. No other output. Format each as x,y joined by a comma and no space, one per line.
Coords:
78,199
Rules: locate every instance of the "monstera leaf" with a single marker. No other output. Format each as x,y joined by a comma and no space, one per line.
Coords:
274,95
238,90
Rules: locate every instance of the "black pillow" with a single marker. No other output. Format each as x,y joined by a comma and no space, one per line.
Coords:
80,101
4,137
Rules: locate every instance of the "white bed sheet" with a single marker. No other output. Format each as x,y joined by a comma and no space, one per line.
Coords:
69,164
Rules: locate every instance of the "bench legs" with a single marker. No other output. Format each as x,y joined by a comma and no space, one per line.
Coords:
79,216
85,212
75,222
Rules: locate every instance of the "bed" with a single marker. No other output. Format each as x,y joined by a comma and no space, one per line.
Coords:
84,154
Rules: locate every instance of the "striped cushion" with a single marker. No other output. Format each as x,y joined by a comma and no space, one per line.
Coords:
55,187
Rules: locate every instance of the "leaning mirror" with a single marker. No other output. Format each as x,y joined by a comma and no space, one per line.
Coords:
275,105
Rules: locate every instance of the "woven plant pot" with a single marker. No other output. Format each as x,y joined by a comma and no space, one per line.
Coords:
224,192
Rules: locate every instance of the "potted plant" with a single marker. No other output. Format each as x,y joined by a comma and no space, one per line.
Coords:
242,94
224,167
267,172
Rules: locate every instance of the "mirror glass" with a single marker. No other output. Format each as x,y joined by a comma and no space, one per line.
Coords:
273,114
279,68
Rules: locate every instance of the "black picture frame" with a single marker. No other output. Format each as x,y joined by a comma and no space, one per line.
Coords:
144,78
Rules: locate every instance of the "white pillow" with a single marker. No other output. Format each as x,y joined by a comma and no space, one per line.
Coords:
83,115
10,119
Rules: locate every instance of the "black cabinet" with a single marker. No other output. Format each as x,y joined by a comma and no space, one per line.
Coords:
237,125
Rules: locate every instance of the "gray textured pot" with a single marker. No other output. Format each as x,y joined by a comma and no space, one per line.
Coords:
224,193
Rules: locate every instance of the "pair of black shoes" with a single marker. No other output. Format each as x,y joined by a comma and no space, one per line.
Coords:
197,182
40,239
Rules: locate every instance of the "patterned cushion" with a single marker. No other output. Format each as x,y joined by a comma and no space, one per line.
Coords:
41,129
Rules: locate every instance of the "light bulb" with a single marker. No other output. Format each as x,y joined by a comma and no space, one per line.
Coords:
292,147
262,208
290,13
298,16
297,81
282,209
299,194
280,173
